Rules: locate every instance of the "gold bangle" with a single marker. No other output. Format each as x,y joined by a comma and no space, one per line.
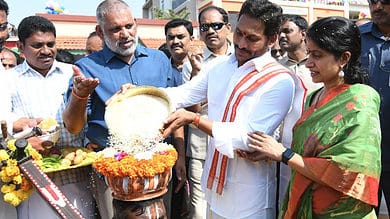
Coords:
77,96
196,120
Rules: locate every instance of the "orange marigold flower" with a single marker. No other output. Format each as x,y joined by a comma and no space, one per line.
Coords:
131,167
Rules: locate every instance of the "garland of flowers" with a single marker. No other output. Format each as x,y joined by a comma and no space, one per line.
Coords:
127,165
16,187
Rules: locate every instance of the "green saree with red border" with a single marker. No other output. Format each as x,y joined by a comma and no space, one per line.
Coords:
339,140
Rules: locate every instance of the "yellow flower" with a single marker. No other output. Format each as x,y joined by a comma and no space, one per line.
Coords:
34,153
18,188
11,144
12,171
3,155
17,179
12,199
4,177
8,188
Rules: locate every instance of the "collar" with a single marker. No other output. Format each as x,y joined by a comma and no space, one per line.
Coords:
208,53
370,27
258,62
291,61
25,68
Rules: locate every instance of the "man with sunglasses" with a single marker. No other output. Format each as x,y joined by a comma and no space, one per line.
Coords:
375,57
214,30
3,25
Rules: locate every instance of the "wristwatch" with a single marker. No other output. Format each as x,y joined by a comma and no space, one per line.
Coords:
287,155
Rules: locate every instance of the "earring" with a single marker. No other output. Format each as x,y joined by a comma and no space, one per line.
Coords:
341,74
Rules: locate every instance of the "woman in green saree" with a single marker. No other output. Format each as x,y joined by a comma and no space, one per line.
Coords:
335,154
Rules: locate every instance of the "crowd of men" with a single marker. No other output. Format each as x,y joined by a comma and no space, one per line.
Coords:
49,83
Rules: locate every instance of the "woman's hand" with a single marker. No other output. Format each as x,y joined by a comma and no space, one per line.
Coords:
266,144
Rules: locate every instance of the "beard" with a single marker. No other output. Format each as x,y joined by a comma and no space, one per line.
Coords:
115,46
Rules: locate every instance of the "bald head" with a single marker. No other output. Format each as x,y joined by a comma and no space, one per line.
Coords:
8,58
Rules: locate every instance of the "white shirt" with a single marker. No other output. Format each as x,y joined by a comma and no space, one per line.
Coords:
5,98
36,96
300,69
197,140
208,58
250,185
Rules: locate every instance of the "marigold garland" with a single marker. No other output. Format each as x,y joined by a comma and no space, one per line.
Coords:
16,187
131,167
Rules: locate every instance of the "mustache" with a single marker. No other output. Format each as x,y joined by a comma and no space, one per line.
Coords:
242,49
45,56
379,12
212,35
176,45
132,39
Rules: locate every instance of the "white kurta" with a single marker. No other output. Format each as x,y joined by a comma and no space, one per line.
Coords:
250,186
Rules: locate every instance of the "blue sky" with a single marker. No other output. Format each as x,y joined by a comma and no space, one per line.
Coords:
23,8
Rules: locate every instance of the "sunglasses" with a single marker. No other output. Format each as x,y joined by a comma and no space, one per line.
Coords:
9,65
4,26
383,2
214,26
276,51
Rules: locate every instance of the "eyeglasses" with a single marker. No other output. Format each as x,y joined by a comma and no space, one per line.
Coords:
4,26
214,26
274,52
383,2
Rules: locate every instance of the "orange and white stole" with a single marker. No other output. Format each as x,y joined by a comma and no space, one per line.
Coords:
247,84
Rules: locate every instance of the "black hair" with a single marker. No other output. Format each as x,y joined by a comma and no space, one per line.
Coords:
338,35
164,47
92,34
222,11
32,24
64,55
138,208
265,11
179,22
4,7
297,19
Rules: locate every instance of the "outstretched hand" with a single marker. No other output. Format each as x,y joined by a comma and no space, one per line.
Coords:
83,86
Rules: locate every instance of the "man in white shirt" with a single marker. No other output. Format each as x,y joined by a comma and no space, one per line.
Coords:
292,39
214,30
242,91
39,86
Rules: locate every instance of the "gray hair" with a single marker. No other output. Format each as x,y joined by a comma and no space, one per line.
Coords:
108,6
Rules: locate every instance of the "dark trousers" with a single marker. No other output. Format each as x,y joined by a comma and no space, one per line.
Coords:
384,185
